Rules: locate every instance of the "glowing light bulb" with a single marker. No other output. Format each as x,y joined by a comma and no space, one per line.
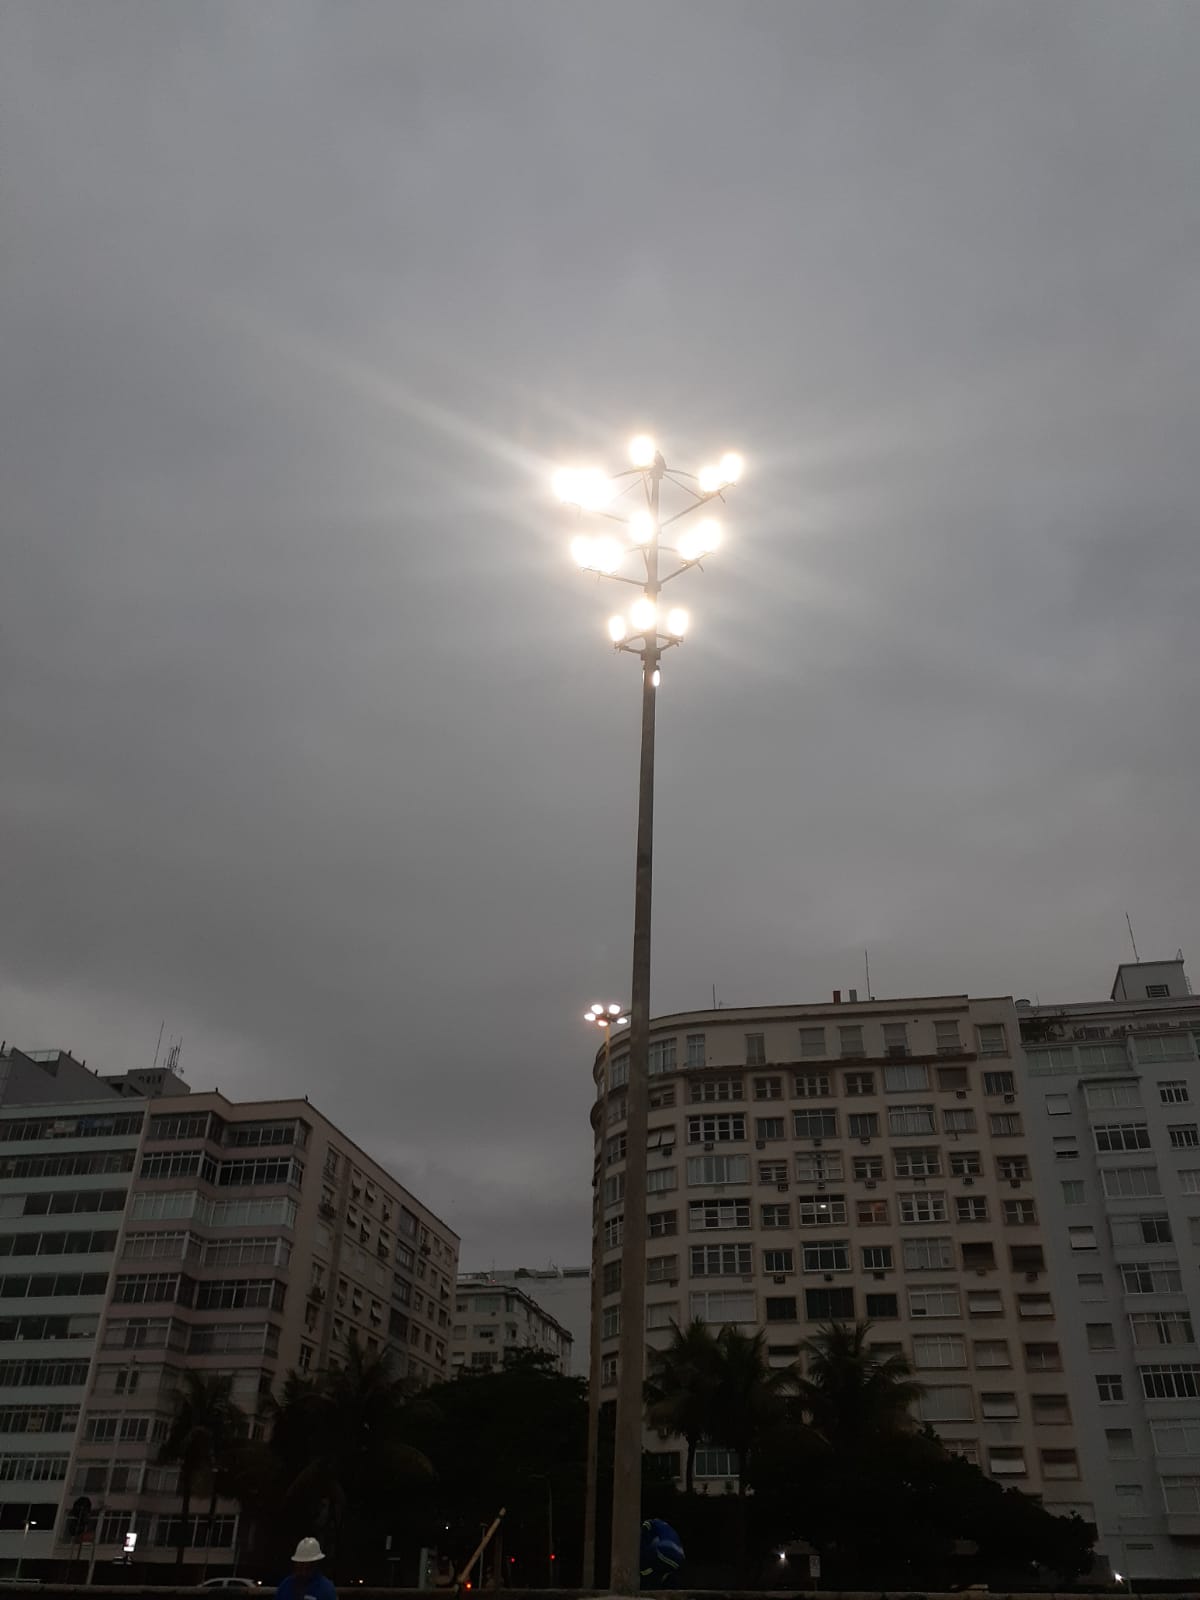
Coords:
607,555
581,553
642,450
710,479
565,484
700,541
677,622
614,1011
641,527
656,677
643,614
731,466
617,629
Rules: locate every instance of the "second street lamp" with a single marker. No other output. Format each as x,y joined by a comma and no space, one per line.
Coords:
634,500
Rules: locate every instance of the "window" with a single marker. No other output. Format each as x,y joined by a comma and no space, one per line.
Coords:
768,1088
661,1224
1119,1442
1130,1183
939,1350
945,1036
1173,1092
992,1353
662,1180
1091,1285
694,1045
721,1260
662,1269
877,1258
1131,1499
1156,1228
1161,1327
756,1050
871,1213
999,1407
1020,1213
707,1214
774,1261
882,1307
1118,1136
927,1255
704,1171
812,1043
1182,1495
703,1091
614,1150
829,1305
1066,1148
1151,1277
1171,1382
922,1205
819,1166
907,1120
1110,1387
1183,1135
934,1303
1100,1336
958,1121
1055,1463
1043,1358
1027,1258
1165,1047
1073,1193
1112,1095
1034,1305
662,1056
1006,1461
770,1128
970,1208
1058,1105
1083,1238
714,1463
610,1322
945,1403
868,1168
984,1303
1176,1437
780,1307
903,1079
991,1039
814,1124
965,1164
917,1161
614,1232
608,1366
1003,1124
859,1083
999,1083
821,1211
979,1256
863,1124
776,1215
952,1078
773,1172
720,1305
661,1315
831,1255
716,1128
895,1038
811,1086
850,1040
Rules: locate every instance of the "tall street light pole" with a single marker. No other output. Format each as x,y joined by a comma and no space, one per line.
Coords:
606,1017
647,633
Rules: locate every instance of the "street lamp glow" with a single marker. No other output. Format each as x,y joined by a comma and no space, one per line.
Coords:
614,1011
586,487
641,527
643,613
607,555
656,677
677,622
597,1008
700,541
710,479
731,466
642,450
617,629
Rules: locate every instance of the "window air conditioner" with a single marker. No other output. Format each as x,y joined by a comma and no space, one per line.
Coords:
1014,1183
818,1141
820,1186
782,1188
981,1272
897,1052
865,1139
779,1277
760,1144
827,1277
870,1183
879,1275
967,1182
917,1311
708,1144
1032,1277
960,1094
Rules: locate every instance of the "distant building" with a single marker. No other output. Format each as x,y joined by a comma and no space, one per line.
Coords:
565,1292
188,1233
493,1318
39,1077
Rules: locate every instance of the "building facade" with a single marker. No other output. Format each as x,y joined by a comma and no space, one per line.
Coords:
492,1318
853,1160
1113,1105
564,1292
189,1233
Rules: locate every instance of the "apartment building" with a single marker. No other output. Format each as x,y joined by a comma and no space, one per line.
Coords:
492,1318
858,1159
195,1233
564,1292
1112,1101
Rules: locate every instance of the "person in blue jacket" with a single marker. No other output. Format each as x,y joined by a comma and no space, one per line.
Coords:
304,1582
662,1554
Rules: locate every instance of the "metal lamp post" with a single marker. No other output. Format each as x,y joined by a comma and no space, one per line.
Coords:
606,1017
634,499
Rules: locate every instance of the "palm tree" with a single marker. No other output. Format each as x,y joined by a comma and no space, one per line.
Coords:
680,1384
205,1426
850,1394
749,1397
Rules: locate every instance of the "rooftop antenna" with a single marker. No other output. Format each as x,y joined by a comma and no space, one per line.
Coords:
172,1062
1132,940
714,989
867,969
158,1046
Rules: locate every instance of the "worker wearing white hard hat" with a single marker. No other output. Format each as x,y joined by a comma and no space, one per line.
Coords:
304,1582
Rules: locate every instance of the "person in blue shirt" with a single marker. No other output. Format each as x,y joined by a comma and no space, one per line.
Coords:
662,1554
304,1582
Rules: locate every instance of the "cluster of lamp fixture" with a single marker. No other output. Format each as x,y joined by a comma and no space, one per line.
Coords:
606,1016
592,490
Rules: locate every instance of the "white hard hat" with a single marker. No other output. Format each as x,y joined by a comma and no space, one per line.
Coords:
308,1550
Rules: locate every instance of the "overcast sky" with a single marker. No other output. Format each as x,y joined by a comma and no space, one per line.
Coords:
312,743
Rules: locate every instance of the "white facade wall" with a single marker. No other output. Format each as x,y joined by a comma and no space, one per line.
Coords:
492,1318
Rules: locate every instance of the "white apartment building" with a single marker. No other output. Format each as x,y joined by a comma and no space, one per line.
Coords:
492,1318
857,1160
1112,1102
564,1292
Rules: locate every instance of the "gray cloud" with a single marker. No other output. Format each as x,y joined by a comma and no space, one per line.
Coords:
311,741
